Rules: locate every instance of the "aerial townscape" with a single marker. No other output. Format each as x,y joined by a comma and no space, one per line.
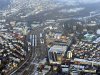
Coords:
49,37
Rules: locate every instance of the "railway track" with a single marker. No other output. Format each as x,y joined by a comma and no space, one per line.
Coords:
26,67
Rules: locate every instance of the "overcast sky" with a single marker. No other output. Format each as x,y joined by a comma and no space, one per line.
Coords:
85,1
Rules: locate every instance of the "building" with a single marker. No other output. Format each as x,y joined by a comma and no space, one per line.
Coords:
89,37
56,54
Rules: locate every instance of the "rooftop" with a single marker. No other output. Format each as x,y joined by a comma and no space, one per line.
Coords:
57,48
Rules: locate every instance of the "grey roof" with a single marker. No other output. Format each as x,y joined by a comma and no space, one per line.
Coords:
57,48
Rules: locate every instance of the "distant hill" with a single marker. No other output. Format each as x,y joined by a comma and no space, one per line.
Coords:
17,4
4,3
